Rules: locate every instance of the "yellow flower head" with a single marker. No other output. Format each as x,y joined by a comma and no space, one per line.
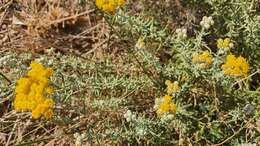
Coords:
165,104
172,87
23,86
166,107
32,92
204,59
235,66
36,113
225,44
109,6
167,98
39,72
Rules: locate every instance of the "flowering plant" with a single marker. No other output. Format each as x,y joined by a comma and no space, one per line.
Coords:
109,6
33,91
235,66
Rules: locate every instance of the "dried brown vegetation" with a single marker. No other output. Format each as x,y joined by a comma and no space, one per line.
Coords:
38,25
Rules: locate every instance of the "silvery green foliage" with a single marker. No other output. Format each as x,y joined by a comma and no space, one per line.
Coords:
206,93
109,103
239,20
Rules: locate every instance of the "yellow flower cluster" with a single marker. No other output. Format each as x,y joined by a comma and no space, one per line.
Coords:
204,59
109,6
225,44
172,87
32,92
235,66
166,105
